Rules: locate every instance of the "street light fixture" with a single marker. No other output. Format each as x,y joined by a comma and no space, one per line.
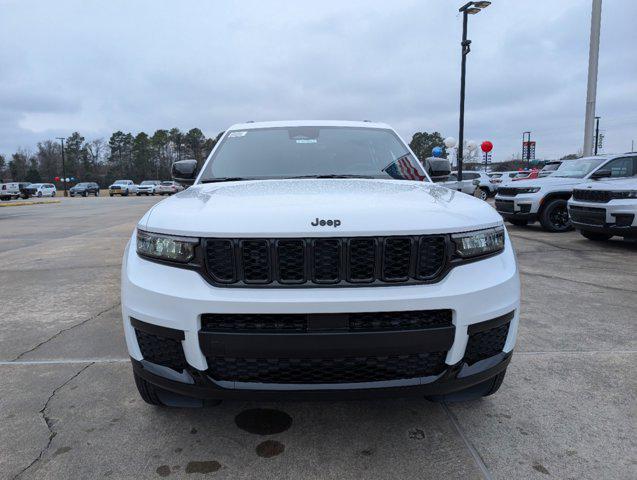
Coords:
467,9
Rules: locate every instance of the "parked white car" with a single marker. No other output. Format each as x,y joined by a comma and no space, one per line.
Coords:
467,185
605,208
122,187
545,199
40,190
316,259
148,187
168,188
486,185
550,168
498,178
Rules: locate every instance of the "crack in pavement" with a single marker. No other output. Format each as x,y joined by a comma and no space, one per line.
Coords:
65,330
477,458
555,277
48,423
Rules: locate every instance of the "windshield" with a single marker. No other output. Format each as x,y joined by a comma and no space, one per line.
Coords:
578,168
148,182
82,185
121,182
550,167
166,183
311,152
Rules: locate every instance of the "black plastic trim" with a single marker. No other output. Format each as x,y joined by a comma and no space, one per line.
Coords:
157,330
325,345
456,377
489,324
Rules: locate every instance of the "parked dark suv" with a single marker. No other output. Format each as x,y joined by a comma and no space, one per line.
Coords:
84,189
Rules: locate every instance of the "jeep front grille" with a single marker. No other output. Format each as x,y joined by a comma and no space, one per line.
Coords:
325,261
598,196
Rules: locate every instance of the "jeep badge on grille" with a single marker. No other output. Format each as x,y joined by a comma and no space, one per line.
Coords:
330,223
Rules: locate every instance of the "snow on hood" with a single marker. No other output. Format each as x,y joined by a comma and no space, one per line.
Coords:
289,207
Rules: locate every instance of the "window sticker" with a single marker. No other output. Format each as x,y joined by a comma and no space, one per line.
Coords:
306,140
237,134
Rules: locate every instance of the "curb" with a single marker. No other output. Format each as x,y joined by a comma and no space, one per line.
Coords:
23,204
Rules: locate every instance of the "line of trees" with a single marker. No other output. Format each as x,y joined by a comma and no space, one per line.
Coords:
127,156
143,157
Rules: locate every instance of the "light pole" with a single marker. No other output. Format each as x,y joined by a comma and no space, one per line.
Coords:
470,8
596,133
591,91
528,148
61,139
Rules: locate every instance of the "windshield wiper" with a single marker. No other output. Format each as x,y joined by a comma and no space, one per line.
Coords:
225,179
332,176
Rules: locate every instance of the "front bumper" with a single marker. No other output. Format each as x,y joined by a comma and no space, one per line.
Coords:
519,207
617,217
173,298
453,379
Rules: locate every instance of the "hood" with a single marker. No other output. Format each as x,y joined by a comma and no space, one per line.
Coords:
296,207
610,184
543,182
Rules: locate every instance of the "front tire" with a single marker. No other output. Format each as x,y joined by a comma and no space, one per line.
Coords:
482,194
554,216
596,236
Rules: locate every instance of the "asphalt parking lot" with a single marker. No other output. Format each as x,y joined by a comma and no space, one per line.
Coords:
69,407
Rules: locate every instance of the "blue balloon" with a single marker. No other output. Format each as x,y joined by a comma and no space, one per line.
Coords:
437,152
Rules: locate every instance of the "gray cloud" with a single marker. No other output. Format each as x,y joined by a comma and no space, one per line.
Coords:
97,67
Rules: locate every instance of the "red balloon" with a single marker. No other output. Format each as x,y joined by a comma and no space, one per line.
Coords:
486,146
57,179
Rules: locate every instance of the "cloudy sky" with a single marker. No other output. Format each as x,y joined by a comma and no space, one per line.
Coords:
100,66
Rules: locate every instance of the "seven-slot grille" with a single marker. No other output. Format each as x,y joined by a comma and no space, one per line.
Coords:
326,261
508,191
588,216
600,196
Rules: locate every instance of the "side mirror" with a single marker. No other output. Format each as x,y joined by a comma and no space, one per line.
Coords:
601,174
184,171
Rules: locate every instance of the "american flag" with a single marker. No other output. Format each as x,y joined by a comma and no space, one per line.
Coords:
403,169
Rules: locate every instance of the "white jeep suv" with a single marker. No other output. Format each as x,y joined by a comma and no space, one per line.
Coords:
316,259
603,209
544,199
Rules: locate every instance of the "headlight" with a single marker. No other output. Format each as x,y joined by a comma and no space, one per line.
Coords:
623,195
166,247
528,190
479,242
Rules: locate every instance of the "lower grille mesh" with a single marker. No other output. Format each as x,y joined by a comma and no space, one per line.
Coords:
161,350
326,370
292,322
485,344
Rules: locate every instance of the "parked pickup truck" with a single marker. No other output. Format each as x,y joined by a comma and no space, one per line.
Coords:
123,188
315,260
